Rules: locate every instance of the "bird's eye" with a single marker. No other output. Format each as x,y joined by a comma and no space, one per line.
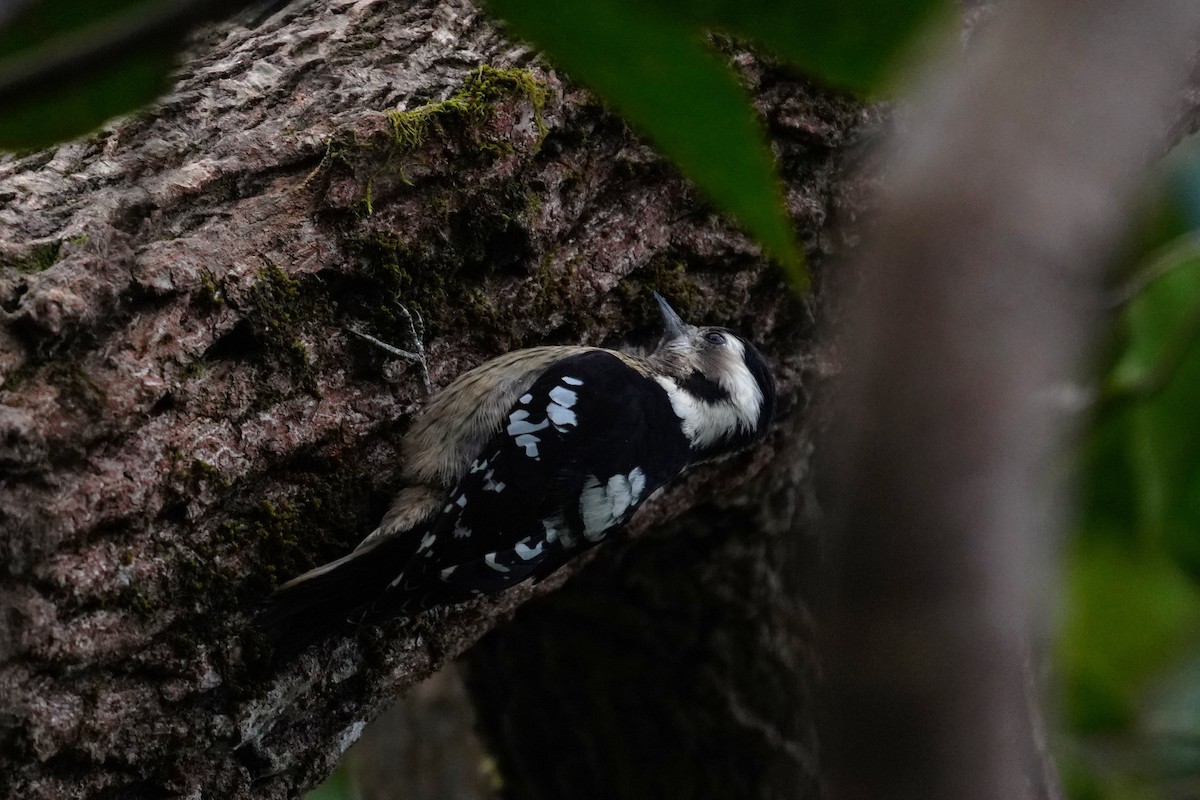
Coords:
714,337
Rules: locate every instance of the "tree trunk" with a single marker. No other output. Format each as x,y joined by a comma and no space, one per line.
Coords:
985,286
185,421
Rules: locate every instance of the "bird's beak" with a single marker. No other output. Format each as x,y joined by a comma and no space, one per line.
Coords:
673,326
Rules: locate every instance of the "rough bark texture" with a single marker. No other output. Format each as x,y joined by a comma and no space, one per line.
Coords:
185,422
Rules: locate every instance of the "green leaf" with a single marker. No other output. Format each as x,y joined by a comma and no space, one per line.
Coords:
66,67
49,20
336,787
78,107
1160,368
1130,641
662,77
850,43
1129,612
1132,597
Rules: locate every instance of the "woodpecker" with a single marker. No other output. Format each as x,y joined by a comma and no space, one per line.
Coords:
528,460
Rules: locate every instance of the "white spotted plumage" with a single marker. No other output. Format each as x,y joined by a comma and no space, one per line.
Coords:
525,552
518,423
605,506
526,461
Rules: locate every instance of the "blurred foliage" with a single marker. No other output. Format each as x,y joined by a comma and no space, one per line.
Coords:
47,21
337,787
650,59
77,107
74,104
1130,644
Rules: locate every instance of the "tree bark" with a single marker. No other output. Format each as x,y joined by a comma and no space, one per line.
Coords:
185,421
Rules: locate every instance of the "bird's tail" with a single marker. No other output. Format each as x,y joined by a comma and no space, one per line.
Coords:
314,605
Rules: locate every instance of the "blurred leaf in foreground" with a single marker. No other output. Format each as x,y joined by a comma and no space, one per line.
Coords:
854,44
650,60
66,67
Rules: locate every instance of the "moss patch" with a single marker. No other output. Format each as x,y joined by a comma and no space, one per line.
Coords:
435,271
39,258
392,269
324,513
210,291
192,473
278,312
77,393
469,108
433,259
378,164
669,278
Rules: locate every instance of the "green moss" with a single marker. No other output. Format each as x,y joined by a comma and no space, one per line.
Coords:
77,392
194,369
192,472
341,149
210,291
324,513
368,201
393,267
470,107
472,230
670,279
208,471
461,120
557,296
275,297
487,85
39,258
279,311
552,289
139,602
434,271
222,573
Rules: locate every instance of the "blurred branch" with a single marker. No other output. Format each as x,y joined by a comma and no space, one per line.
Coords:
1177,253
983,290
93,48
1172,354
12,8
1041,768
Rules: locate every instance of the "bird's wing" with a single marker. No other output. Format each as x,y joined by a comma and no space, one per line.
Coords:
577,453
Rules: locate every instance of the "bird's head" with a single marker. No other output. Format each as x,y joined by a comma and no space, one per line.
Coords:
724,386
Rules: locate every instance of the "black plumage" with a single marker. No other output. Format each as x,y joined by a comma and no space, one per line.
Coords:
518,513
567,443
604,438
